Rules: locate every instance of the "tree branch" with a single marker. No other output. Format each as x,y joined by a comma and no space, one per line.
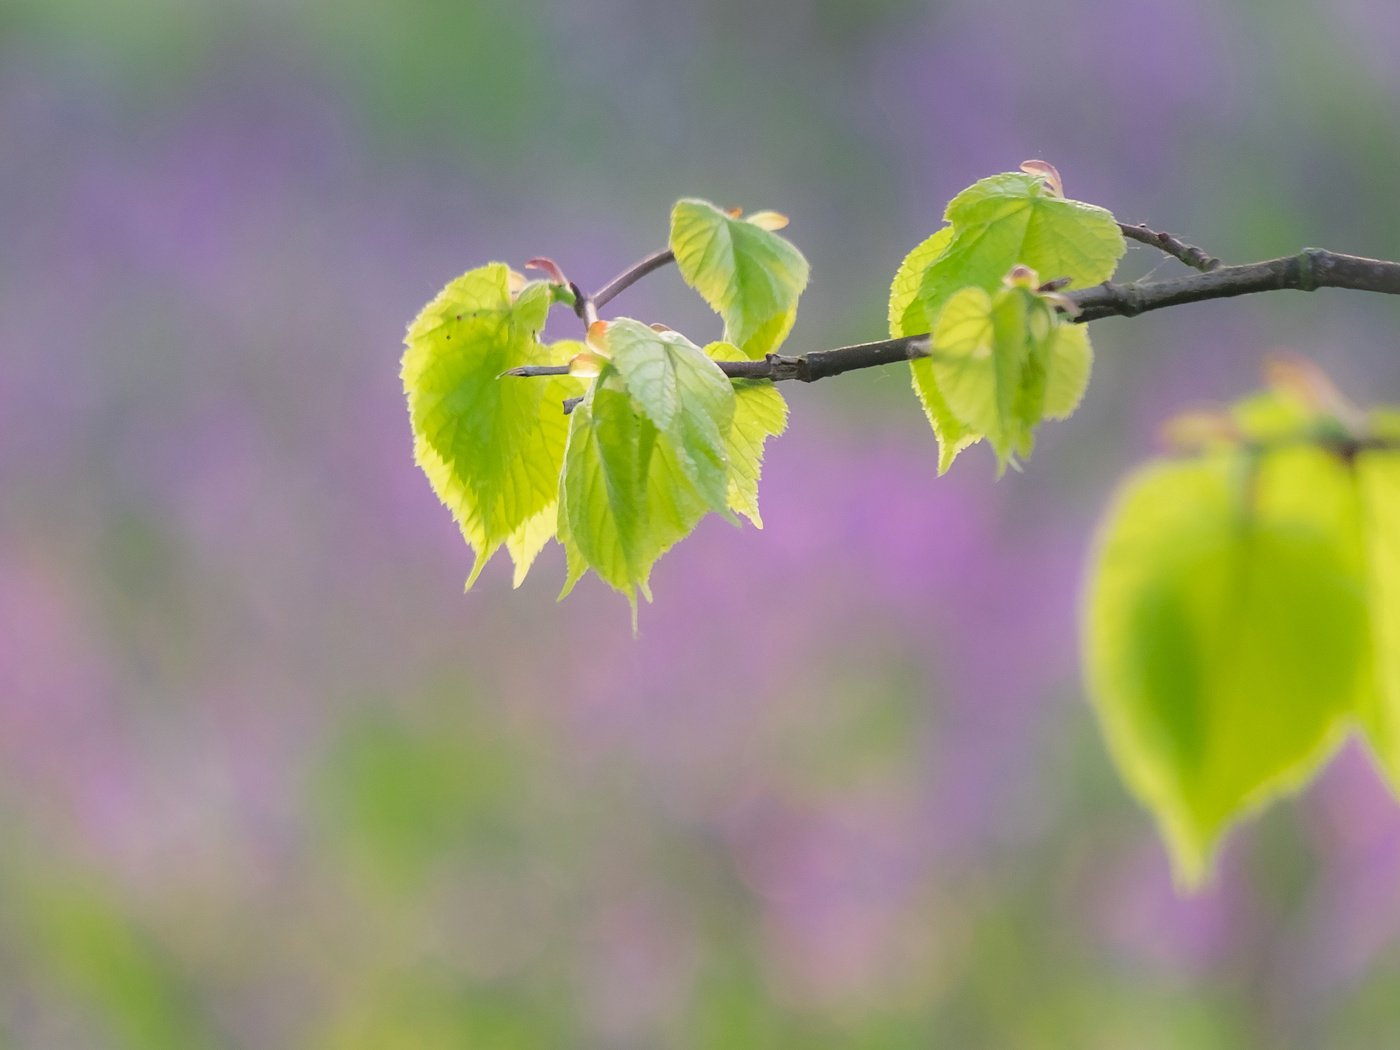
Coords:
1310,269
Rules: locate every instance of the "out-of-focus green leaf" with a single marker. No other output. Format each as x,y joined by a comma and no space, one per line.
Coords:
749,275
1378,480
1226,635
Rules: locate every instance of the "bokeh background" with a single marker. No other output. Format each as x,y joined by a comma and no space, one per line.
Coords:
269,779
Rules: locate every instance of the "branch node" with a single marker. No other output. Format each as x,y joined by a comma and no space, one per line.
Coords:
1307,273
584,306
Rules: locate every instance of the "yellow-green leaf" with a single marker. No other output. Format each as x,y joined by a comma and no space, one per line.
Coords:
491,446
749,275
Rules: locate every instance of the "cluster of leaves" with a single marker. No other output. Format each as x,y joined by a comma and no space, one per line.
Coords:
1003,355
658,436
1243,610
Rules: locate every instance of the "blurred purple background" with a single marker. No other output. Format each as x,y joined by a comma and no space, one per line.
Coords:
268,779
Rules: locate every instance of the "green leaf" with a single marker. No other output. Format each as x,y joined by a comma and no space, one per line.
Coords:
989,362
681,391
491,446
1013,219
1378,480
646,456
750,276
1226,642
759,413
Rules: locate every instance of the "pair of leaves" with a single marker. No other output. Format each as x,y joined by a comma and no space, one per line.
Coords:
660,438
1243,615
996,368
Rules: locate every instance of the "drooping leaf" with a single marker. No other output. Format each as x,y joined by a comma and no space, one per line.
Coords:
989,362
759,413
675,385
749,275
1226,635
646,456
491,447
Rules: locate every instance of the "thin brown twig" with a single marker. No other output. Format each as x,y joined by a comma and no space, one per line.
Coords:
631,276
1196,258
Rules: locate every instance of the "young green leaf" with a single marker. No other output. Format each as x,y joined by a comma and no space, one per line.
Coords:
1225,629
759,413
490,446
989,363
681,391
646,457
1013,219
749,275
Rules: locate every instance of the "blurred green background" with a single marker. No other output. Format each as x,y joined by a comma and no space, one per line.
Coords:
268,779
